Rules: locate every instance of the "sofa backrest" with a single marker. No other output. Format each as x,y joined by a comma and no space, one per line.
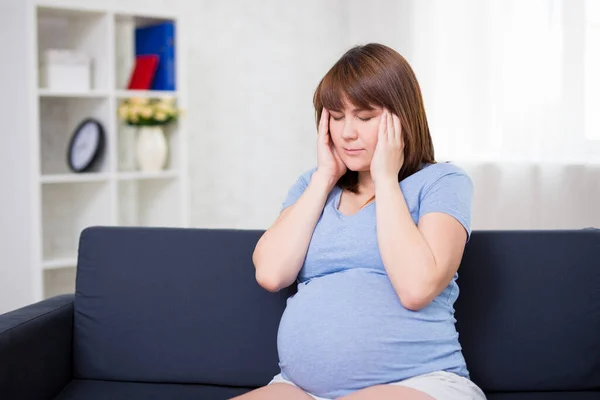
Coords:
183,305
173,305
528,312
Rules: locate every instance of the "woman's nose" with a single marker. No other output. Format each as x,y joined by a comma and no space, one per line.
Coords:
348,131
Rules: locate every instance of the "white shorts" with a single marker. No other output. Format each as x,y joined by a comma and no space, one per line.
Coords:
440,385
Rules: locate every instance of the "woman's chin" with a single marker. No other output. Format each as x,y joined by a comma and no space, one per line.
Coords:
355,166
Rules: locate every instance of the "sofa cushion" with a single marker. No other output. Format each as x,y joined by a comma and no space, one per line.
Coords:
80,389
173,305
568,395
528,313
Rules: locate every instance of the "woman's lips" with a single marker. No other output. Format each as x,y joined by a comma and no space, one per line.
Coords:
353,151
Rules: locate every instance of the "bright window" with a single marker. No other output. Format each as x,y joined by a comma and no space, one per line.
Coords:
592,70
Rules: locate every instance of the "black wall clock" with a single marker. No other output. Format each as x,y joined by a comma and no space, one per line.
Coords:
86,145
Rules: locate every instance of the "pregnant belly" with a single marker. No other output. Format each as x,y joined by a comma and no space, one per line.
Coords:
348,330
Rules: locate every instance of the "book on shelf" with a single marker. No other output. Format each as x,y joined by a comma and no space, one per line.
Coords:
143,72
159,39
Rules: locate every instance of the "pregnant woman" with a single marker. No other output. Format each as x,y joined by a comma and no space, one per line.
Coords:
373,237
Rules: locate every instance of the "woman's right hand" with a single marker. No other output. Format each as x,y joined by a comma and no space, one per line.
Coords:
329,163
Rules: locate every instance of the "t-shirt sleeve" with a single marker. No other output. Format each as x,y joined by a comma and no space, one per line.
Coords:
451,194
298,188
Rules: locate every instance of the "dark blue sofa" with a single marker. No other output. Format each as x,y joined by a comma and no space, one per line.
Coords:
177,314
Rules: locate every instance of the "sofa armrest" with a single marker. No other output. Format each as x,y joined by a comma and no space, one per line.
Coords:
36,349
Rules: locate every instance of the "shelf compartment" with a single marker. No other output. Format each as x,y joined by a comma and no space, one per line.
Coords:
149,202
83,31
67,209
126,148
125,26
58,119
59,281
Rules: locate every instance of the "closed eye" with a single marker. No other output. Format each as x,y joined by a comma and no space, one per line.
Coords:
362,119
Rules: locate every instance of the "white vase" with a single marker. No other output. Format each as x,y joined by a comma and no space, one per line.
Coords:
151,148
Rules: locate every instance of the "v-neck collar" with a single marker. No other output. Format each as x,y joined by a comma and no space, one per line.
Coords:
338,199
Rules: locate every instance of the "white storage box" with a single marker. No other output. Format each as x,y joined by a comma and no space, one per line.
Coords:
66,70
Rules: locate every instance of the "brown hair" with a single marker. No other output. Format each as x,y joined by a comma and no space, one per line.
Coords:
374,74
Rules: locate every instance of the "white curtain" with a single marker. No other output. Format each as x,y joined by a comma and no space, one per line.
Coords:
512,91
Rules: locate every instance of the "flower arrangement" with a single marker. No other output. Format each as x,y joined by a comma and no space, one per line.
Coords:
138,111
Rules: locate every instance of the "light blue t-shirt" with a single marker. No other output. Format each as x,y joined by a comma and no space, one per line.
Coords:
345,328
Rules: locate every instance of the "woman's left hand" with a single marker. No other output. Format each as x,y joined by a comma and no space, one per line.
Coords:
389,152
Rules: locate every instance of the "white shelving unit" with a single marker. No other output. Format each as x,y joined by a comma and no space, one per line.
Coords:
47,206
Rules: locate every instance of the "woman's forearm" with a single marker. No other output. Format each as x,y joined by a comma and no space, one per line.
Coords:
406,256
280,252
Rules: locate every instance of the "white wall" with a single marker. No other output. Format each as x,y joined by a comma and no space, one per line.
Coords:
253,71
252,87
15,226
253,68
